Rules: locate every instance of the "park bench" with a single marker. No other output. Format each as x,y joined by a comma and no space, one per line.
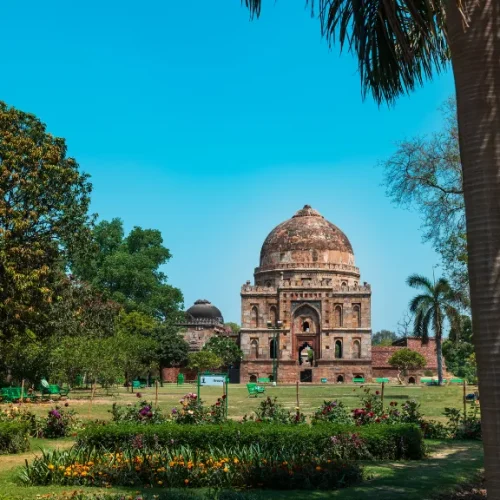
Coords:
51,390
137,384
11,394
358,380
264,380
456,381
381,380
255,390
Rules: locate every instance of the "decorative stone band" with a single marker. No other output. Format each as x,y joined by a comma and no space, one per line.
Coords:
309,265
203,322
283,285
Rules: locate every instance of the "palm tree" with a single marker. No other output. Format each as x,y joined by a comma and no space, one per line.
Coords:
430,309
400,43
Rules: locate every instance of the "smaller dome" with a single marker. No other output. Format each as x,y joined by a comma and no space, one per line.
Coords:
204,310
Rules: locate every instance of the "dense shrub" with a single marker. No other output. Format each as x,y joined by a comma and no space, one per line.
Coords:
241,466
60,422
13,437
272,412
141,413
171,494
398,441
332,411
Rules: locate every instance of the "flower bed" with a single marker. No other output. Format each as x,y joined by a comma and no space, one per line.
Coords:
13,437
393,442
242,467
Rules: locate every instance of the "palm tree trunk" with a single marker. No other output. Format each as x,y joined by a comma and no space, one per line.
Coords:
439,355
475,53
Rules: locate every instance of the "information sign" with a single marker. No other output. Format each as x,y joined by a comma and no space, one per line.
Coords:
213,380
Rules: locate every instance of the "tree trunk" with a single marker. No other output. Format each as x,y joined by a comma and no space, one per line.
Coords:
439,355
475,52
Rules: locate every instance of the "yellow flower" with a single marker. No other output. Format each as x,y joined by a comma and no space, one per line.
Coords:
160,482
50,467
186,481
226,469
318,468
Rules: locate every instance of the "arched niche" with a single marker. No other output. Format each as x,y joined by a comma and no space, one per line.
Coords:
306,319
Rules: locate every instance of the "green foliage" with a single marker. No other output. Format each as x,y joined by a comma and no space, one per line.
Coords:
60,422
458,351
225,348
44,200
127,269
398,441
141,413
332,411
235,328
272,412
384,337
241,467
192,411
203,361
171,348
406,359
13,437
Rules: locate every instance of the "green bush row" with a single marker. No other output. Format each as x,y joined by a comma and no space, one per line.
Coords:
13,438
392,442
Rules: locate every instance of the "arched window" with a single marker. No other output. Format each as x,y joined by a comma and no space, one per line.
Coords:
254,317
253,378
338,349
272,349
343,285
340,379
356,349
254,349
338,316
273,315
305,326
356,316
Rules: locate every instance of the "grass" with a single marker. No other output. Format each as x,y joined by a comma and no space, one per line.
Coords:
433,399
449,464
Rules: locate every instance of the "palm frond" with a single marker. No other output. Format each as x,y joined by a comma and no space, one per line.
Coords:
427,319
420,302
419,281
398,43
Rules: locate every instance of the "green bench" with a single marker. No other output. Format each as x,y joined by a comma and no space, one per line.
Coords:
51,390
11,394
264,380
358,380
431,381
381,380
137,384
254,389
456,381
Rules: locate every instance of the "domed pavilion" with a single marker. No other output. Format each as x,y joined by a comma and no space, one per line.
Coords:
306,285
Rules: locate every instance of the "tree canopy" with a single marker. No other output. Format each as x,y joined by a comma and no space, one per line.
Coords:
225,348
405,359
44,201
384,337
127,269
204,360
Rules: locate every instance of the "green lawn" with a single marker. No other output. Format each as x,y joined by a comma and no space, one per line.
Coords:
449,464
432,399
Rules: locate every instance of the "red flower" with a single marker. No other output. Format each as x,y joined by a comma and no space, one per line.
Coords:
377,393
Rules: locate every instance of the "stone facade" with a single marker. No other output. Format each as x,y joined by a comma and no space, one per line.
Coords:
307,280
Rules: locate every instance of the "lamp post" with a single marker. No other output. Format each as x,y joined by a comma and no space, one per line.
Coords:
276,328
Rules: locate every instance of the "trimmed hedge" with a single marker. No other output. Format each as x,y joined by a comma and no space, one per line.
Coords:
13,438
391,442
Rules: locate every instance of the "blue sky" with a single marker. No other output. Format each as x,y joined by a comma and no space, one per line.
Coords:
196,121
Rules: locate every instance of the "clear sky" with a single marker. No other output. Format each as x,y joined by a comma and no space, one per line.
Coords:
196,121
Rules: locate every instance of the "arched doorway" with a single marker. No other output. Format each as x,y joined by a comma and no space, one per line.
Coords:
338,349
253,378
304,353
340,379
411,380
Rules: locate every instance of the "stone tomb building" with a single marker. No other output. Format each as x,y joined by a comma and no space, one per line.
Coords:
307,279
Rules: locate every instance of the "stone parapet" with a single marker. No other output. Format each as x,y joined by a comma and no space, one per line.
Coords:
285,266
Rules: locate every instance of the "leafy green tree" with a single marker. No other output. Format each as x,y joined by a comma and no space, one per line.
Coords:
431,308
425,173
405,359
202,361
44,201
384,337
171,349
399,44
127,269
458,351
235,328
225,348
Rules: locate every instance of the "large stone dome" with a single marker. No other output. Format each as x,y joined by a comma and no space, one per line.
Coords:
204,311
307,238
